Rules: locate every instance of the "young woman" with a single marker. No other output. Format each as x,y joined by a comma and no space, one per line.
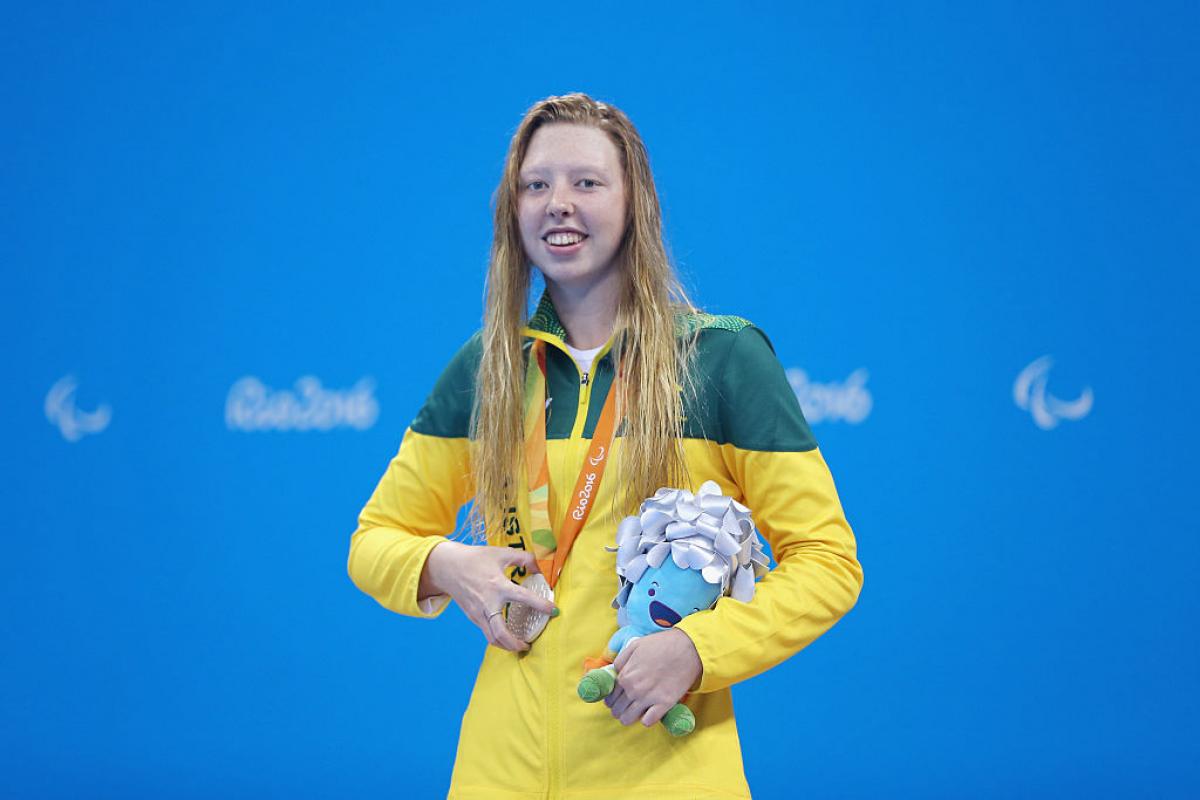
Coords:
559,424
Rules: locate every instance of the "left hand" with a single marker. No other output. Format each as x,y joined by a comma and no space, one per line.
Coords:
653,673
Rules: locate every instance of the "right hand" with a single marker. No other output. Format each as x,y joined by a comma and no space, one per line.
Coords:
476,577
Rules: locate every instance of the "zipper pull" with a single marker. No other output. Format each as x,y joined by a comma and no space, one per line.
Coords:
583,380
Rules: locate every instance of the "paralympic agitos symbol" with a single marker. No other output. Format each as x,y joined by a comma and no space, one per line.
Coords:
73,423
1030,393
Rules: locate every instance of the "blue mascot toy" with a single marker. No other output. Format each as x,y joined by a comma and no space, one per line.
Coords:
680,555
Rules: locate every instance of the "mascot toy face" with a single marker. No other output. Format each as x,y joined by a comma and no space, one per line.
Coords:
664,595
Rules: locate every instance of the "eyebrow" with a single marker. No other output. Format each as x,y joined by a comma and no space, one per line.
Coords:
536,168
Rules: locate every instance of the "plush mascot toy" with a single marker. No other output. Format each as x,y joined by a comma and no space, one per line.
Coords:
680,555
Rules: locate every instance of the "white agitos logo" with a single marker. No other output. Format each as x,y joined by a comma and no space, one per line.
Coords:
849,401
251,406
1030,394
61,410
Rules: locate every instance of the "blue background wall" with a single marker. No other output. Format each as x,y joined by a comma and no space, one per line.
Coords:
937,195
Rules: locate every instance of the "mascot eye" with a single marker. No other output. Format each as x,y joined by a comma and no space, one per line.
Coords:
653,586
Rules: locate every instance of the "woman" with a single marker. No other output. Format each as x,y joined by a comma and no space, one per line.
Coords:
523,406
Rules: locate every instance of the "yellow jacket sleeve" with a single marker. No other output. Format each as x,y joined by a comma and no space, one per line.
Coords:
412,510
815,581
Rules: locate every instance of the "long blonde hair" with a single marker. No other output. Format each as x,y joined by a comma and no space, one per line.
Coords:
655,358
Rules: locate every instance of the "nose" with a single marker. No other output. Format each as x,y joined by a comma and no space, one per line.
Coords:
559,205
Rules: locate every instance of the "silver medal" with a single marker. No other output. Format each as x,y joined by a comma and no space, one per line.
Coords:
525,622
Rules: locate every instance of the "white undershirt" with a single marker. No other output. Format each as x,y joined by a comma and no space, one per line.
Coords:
584,358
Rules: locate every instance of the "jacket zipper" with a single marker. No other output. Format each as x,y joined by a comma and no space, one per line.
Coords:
554,751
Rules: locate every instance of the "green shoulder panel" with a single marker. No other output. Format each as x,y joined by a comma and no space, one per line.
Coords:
686,324
741,393
447,411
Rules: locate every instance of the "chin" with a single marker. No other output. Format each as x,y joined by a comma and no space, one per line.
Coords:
570,276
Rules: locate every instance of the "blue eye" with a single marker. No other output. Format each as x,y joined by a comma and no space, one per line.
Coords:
589,183
534,185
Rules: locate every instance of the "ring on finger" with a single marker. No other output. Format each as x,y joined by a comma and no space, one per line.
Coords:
494,613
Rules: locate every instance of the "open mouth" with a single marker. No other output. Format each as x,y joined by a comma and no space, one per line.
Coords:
564,238
663,616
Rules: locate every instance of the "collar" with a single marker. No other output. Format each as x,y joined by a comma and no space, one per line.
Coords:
545,324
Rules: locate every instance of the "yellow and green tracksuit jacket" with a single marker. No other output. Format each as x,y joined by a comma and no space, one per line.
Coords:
526,734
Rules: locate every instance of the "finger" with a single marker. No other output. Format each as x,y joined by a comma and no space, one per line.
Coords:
516,593
520,558
616,694
621,706
633,713
655,714
491,628
504,637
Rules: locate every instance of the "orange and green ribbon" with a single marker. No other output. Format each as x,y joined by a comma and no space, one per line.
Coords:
551,551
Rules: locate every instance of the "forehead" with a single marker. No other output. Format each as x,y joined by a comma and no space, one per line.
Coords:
567,146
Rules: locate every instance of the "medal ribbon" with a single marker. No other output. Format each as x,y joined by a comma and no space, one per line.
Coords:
550,551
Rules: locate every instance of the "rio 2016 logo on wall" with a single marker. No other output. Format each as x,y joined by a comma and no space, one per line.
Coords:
1030,393
847,401
252,406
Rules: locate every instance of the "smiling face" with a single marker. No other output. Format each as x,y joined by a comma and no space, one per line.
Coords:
572,205
666,594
